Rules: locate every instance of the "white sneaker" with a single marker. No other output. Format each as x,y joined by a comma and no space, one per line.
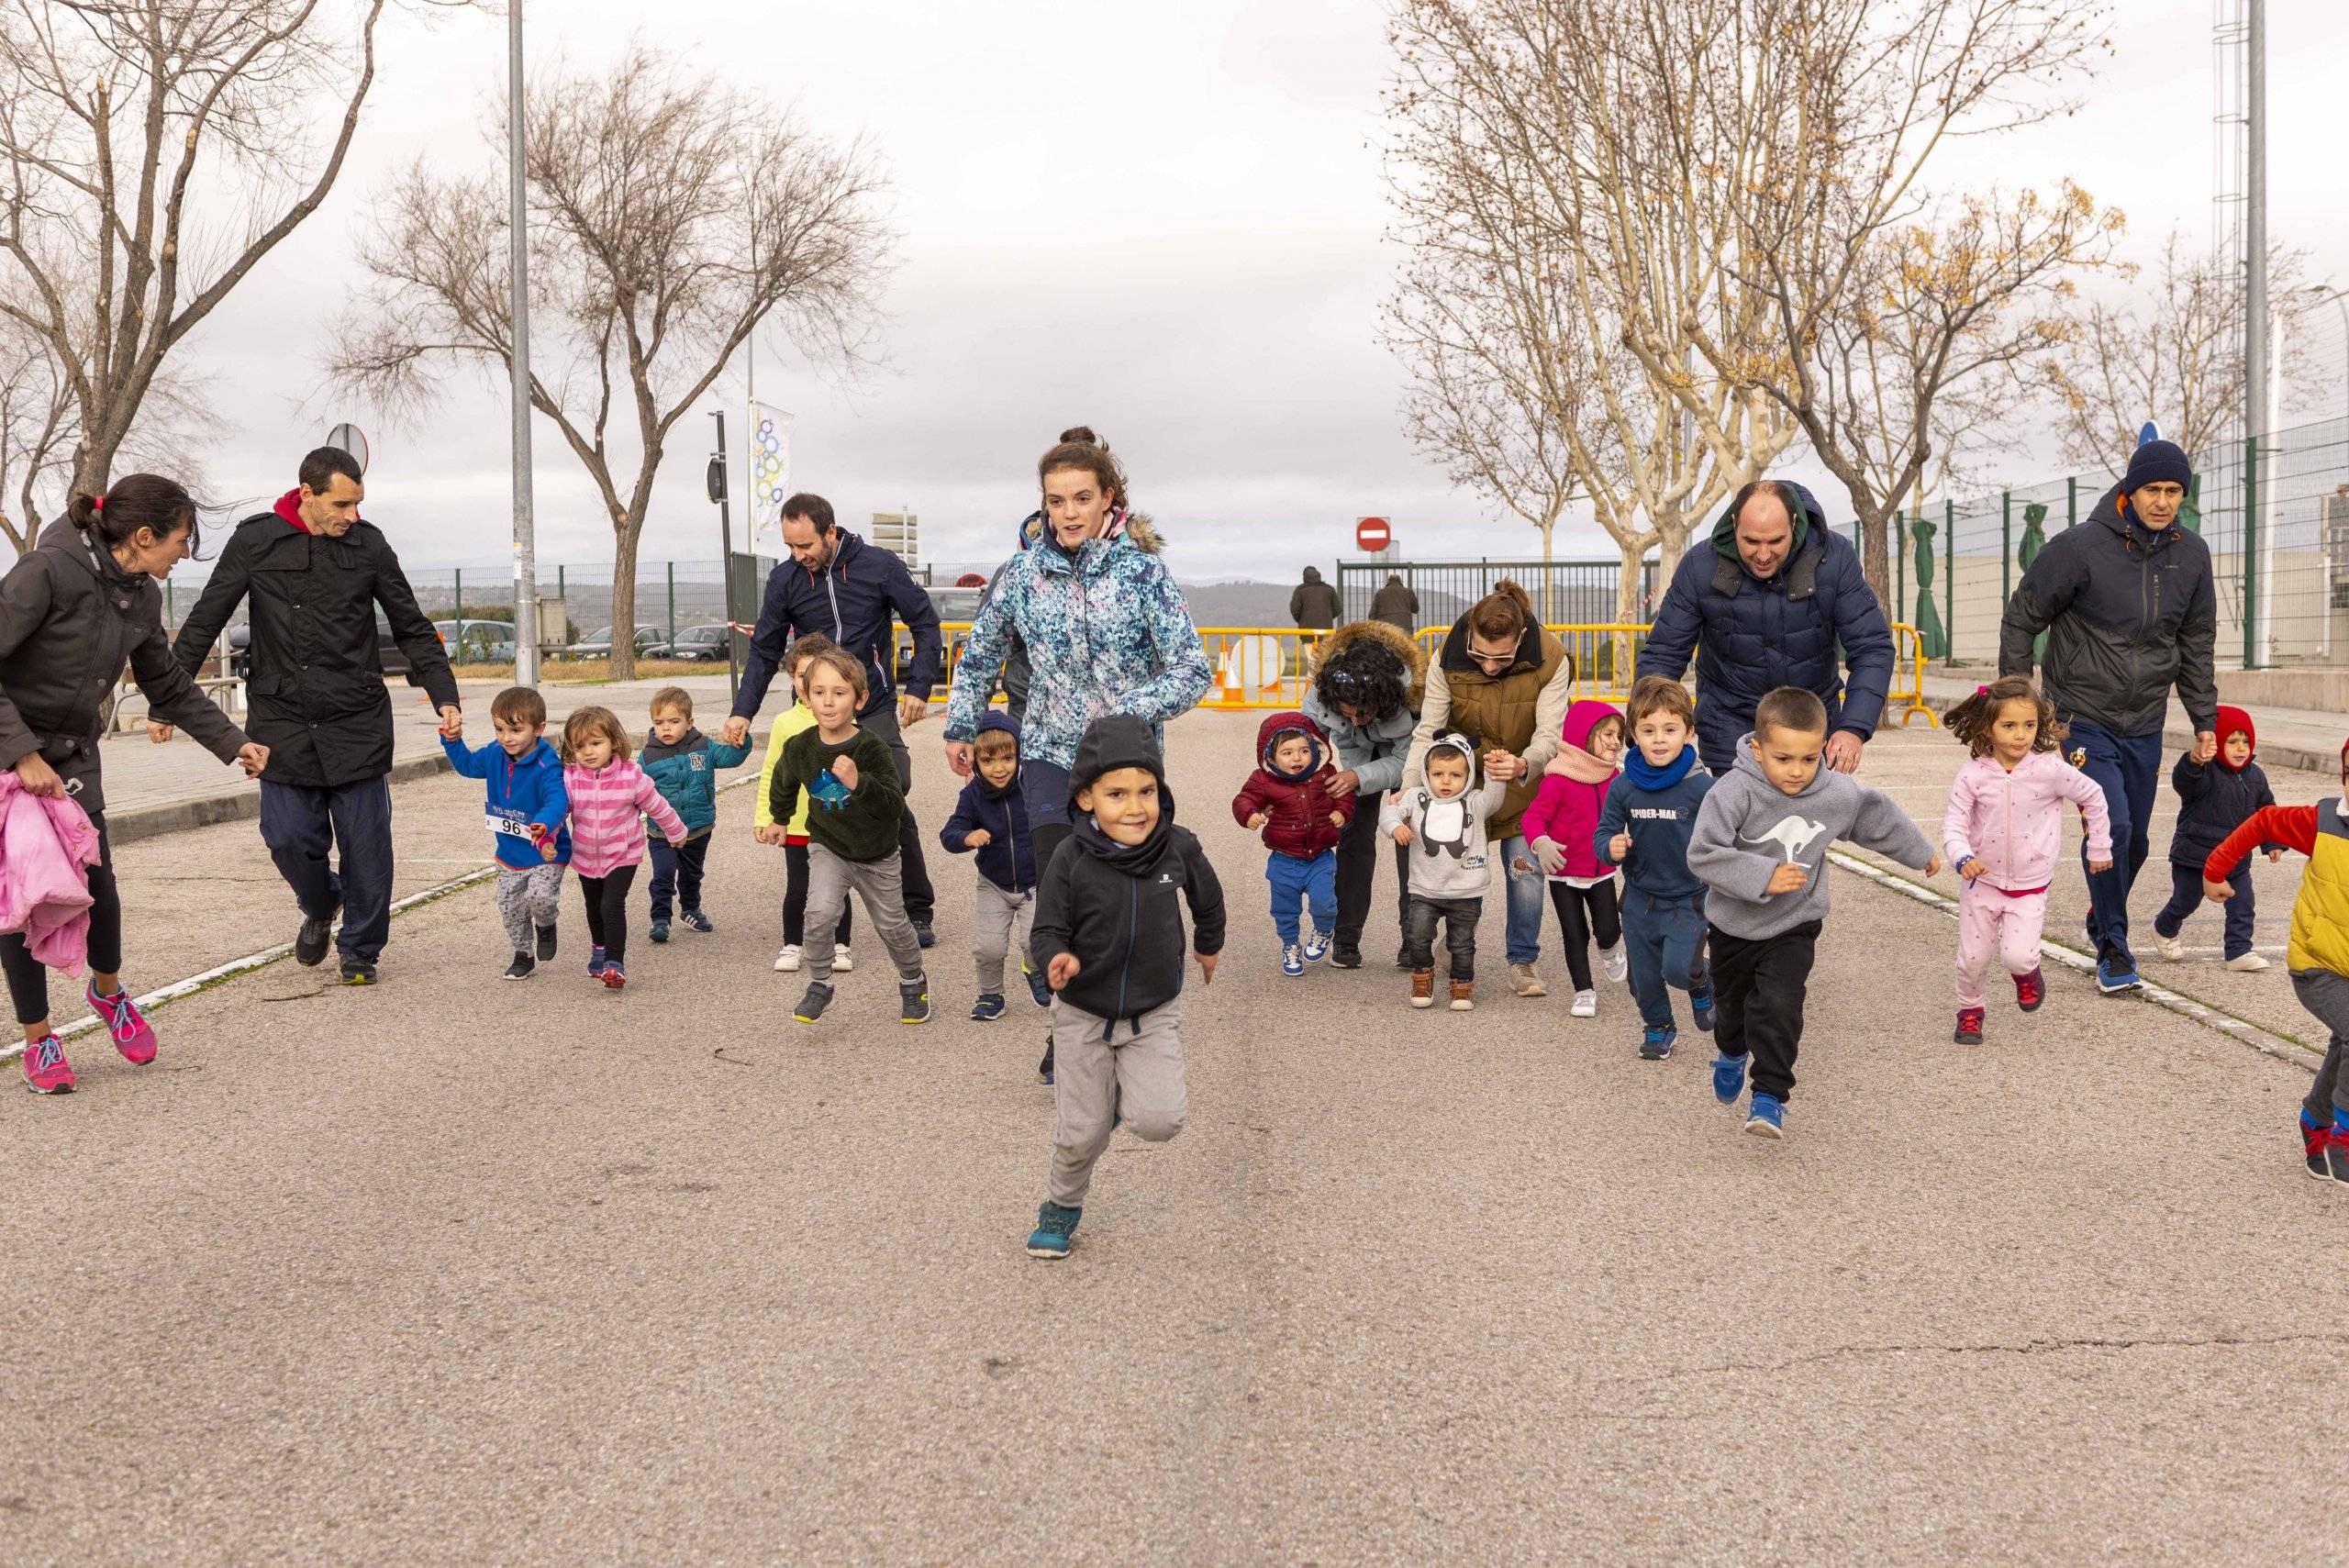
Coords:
1585,1004
843,961
787,961
2169,948
1526,981
1617,961
2249,962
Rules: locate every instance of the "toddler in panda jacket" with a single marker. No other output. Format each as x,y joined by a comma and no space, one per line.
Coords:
1441,823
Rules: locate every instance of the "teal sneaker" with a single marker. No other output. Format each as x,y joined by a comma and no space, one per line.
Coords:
1055,1226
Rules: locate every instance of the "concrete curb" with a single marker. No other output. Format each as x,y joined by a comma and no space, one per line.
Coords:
2184,1006
2275,753
178,815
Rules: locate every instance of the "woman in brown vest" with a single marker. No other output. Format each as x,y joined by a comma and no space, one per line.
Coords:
1505,683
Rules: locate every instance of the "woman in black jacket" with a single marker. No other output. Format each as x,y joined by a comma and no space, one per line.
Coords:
73,611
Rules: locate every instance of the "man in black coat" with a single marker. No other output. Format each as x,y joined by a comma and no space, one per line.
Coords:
2129,610
1313,603
316,574
854,593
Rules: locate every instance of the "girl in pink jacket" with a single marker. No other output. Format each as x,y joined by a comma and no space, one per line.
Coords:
1558,830
2004,833
611,798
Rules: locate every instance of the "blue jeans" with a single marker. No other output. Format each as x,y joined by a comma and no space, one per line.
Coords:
1528,891
2128,769
1664,939
678,869
1313,883
302,823
2185,896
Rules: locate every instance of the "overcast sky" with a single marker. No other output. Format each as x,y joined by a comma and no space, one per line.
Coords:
1165,221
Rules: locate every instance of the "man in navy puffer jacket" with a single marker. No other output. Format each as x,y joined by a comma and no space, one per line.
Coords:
1766,607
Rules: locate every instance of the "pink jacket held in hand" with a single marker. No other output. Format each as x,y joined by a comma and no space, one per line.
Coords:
607,809
45,847
2015,820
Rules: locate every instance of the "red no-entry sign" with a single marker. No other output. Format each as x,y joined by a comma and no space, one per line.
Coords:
1372,534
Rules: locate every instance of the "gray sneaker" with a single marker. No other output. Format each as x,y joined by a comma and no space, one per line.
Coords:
811,1006
913,1001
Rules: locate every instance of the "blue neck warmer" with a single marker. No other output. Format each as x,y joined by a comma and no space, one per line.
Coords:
1645,776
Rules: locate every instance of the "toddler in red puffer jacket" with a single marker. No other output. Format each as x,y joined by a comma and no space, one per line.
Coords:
1289,800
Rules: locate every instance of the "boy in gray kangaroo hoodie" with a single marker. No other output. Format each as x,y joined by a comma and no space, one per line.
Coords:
1440,822
1760,847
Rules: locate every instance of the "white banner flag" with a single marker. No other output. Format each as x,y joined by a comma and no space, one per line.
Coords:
770,465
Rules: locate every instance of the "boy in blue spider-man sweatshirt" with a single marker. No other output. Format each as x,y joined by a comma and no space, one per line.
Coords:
527,807
991,820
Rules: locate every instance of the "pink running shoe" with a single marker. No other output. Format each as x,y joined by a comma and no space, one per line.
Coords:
46,1070
132,1035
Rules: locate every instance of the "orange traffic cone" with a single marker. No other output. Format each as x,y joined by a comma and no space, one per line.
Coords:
1234,694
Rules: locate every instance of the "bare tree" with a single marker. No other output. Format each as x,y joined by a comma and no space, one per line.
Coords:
1854,97
1566,264
151,153
671,217
2180,362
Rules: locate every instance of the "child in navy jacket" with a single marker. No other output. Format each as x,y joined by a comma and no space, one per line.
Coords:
1644,827
990,821
2214,799
527,806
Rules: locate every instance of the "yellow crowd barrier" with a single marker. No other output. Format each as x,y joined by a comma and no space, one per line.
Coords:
1907,691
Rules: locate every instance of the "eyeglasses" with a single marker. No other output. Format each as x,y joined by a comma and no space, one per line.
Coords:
1495,661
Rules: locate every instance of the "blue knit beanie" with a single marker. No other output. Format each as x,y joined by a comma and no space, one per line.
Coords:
2154,463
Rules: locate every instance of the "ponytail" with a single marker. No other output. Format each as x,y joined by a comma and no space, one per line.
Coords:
161,506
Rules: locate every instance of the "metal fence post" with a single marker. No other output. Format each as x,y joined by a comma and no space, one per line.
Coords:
2006,548
672,604
461,604
1899,566
2072,502
2251,552
1949,582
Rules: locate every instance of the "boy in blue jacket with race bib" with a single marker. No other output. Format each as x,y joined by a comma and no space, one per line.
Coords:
527,807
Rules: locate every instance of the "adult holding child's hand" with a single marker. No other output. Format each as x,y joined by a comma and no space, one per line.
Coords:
83,599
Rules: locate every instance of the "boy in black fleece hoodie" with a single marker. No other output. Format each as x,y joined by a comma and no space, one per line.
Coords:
1109,937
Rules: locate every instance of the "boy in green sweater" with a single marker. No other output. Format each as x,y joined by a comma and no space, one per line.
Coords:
854,805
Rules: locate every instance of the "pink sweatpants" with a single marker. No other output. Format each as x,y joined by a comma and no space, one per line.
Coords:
1988,922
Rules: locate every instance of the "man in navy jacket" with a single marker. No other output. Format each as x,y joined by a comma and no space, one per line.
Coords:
853,593
1767,605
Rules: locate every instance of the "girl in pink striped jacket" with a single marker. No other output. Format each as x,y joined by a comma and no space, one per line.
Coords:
610,798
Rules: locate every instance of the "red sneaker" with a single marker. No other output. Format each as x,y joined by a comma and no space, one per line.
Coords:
614,975
132,1035
46,1070
1969,1026
2030,991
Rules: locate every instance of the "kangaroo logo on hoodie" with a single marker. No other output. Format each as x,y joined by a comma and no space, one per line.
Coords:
1793,835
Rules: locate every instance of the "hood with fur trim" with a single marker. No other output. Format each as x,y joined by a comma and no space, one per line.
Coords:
1361,633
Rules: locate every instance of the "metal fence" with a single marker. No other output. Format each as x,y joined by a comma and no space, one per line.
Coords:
1572,592
2274,512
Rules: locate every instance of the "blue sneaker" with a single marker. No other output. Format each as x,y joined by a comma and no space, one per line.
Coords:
1729,1078
660,931
1317,946
1657,1044
694,920
987,1008
2115,975
595,962
1702,1002
1292,960
1038,987
1767,1118
1054,1227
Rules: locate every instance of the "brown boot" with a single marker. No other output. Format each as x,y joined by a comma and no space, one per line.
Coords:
1464,995
1423,988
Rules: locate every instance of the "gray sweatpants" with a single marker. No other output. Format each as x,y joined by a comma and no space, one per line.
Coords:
830,879
1138,1075
528,901
2326,995
998,927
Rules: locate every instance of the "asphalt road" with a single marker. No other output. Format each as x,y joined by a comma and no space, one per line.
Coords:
458,1271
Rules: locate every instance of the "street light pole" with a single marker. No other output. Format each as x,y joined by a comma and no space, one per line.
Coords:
518,225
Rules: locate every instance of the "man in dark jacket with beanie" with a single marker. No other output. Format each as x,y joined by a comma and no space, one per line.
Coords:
316,574
1770,605
1313,603
2127,602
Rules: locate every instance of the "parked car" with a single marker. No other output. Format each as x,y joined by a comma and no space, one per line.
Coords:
597,644
957,608
698,644
477,641
393,659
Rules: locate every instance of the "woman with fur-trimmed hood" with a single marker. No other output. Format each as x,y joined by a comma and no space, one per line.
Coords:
1367,680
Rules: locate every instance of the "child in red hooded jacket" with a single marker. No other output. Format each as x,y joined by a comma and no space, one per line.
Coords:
1289,800
1559,826
2215,797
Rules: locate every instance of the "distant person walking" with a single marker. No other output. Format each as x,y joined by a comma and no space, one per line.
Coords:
317,573
1396,604
73,610
1313,603
853,593
1778,600
2128,606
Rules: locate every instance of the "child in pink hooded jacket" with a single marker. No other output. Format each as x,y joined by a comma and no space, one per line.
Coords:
1558,830
611,798
2004,834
